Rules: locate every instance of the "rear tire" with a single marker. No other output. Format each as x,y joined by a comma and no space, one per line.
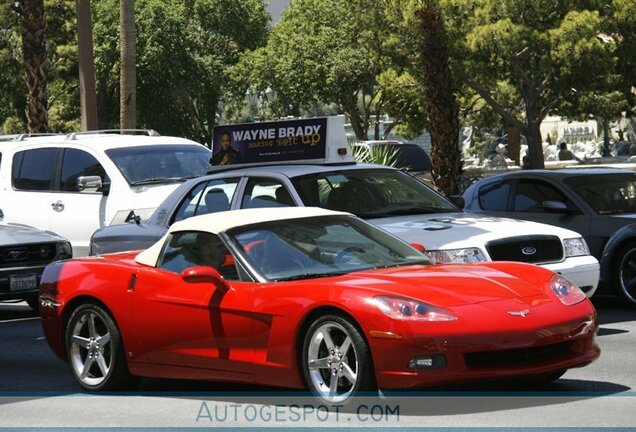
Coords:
95,351
336,360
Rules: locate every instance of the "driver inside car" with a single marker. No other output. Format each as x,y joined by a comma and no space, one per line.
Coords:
291,246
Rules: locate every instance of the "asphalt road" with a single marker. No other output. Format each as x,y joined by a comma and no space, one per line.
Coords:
36,389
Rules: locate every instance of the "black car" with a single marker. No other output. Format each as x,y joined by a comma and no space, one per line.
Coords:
24,252
600,204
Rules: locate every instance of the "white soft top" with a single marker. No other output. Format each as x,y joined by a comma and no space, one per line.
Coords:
222,221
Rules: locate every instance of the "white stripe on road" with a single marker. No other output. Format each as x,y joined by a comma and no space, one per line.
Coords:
19,319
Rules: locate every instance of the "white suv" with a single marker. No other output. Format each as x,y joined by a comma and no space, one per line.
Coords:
74,184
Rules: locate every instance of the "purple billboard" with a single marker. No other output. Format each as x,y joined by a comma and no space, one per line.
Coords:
279,141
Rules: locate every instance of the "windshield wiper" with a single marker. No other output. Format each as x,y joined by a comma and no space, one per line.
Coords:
411,263
160,180
309,276
413,210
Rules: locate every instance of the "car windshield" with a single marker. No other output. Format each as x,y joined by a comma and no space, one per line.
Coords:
320,247
607,193
370,193
160,163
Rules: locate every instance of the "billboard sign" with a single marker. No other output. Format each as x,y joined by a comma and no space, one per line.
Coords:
280,141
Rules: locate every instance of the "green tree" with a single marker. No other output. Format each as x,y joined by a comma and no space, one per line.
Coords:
184,52
32,27
420,26
12,90
334,52
547,54
61,54
622,30
127,70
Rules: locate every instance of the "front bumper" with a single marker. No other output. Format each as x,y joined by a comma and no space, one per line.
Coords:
5,275
479,350
583,271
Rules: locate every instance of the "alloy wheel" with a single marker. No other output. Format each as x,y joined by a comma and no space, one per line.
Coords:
332,361
91,352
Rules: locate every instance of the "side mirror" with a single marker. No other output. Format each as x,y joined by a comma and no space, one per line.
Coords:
418,246
88,184
555,207
205,274
458,200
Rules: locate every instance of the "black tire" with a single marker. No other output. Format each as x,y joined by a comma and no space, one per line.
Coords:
625,273
357,358
34,303
549,377
528,382
117,376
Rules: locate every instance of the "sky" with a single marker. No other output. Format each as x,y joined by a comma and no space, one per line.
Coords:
276,8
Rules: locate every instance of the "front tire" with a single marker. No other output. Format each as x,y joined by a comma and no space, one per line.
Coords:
625,269
95,351
549,377
336,360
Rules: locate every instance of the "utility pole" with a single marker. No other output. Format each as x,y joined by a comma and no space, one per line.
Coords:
88,98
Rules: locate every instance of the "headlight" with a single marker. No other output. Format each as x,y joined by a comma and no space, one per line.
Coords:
411,310
64,251
121,215
566,291
575,247
468,255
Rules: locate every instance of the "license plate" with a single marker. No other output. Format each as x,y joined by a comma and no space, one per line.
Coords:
23,283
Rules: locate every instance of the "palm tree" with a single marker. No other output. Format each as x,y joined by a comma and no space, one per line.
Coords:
34,55
443,109
127,78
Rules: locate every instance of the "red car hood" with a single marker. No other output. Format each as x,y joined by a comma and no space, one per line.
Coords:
446,285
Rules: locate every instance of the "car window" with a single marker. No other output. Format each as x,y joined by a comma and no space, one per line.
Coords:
530,195
33,169
265,192
193,248
153,163
494,196
606,193
207,197
309,247
370,193
78,163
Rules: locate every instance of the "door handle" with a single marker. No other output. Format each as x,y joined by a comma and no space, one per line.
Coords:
58,206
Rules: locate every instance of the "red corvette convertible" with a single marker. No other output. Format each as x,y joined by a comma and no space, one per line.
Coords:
308,298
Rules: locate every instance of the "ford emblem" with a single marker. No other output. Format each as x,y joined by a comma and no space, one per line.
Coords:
529,250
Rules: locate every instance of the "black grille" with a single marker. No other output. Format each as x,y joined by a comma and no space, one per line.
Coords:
516,356
33,254
530,249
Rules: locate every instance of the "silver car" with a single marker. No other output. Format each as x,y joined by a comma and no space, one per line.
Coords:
24,252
